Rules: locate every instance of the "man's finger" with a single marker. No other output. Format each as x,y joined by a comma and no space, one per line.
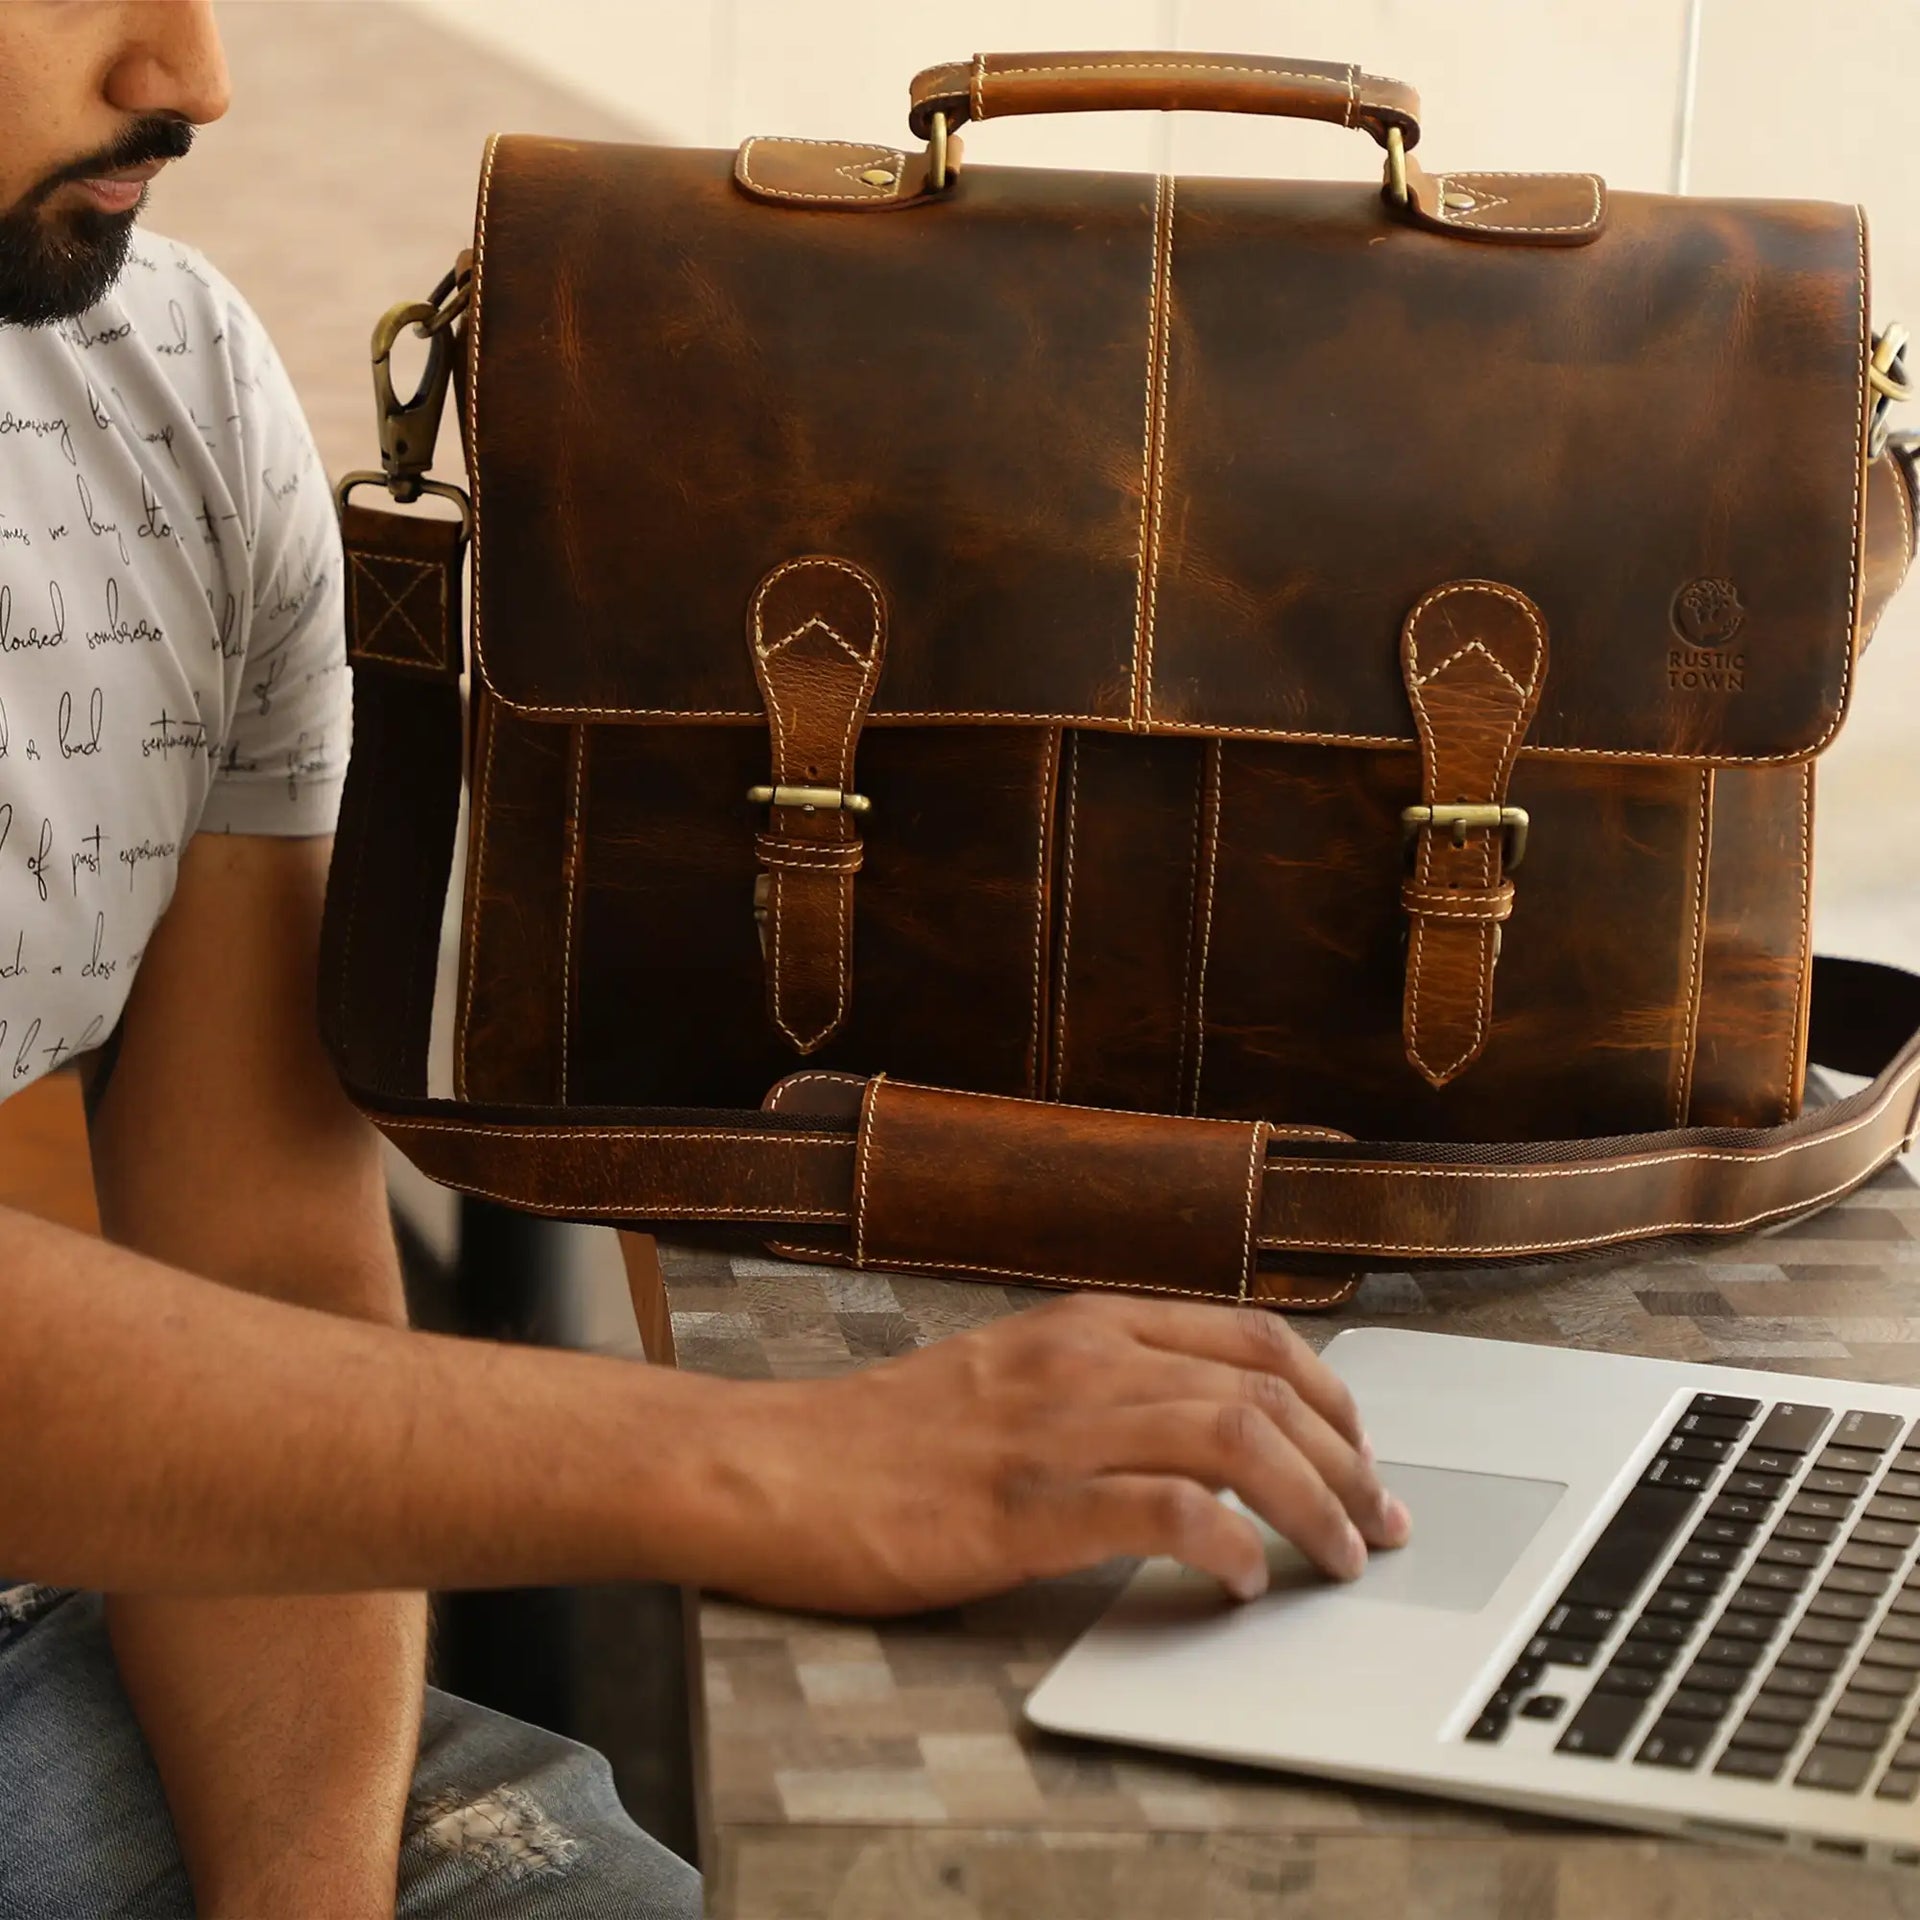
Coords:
1247,1337
1234,1445
1148,1514
1162,1377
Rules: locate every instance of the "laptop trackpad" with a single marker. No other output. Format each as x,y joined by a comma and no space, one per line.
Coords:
1468,1530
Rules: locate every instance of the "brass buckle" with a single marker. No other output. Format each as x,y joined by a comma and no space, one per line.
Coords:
1397,166
824,799
937,172
1890,381
1462,819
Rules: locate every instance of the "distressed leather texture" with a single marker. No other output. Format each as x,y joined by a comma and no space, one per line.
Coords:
1141,550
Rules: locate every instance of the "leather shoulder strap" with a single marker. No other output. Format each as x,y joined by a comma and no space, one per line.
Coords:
1311,1202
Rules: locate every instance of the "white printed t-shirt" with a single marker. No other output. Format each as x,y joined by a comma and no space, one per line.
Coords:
172,658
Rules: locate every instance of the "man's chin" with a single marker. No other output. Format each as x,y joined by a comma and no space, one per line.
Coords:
56,268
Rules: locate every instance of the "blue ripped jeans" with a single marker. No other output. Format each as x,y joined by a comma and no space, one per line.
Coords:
505,1822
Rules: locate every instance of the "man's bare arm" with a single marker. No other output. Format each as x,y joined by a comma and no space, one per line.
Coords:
284,1729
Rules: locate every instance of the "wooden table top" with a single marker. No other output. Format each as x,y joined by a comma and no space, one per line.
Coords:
874,1771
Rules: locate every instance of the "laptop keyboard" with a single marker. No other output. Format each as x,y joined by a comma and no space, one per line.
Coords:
1781,1641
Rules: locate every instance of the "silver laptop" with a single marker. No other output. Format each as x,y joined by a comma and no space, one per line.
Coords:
1660,1595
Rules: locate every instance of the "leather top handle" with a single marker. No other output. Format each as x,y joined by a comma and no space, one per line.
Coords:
992,85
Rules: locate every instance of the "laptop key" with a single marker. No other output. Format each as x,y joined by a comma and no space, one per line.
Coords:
1819,1506
1746,1626
1707,1580
1798,1682
1786,1709
1630,1546
1781,1579
1692,1703
1677,1606
1883,1652
1864,1736
1762,1486
1906,1602
1665,1633
1897,1785
1792,1429
1740,1533
1896,1682
1751,1763
1637,1682
1829,1604
1603,1725
1857,1580
1860,1553
1807,1656
1789,1553
1836,1769
1674,1743
1724,1406
1906,1485
1846,1460
1880,1707
1761,1460
1823,1532
1883,1506
1766,1736
1544,1706
1738,1506
1524,1674
1580,1623
1722,1650
1765,1600
1490,1726
1710,1426
1909,1754
1693,1446
1709,1677
1825,1632
1876,1432
1845,1486
1562,1653
1876,1533
1692,1475
1650,1654
1896,1626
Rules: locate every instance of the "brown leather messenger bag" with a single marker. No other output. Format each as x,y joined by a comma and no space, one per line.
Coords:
1336,674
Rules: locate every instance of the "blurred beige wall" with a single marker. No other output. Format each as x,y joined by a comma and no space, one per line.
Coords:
347,174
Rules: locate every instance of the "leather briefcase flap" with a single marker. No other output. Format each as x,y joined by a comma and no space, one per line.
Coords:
1164,456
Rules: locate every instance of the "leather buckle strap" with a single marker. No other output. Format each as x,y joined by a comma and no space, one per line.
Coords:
817,633
1474,655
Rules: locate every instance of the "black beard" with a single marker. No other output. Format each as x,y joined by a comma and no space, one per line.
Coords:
55,266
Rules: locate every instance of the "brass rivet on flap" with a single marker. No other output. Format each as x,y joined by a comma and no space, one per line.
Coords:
1458,202
877,177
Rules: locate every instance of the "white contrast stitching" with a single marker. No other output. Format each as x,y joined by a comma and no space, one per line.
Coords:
1165,66
576,854
869,1115
1161,347
1256,1164
1059,1073
1130,1113
807,1079
1467,222
1048,777
1353,93
363,565
977,87
1479,647
1796,1036
743,170
1142,569
1696,968
561,1133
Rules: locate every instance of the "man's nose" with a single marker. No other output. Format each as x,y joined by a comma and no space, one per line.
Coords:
171,62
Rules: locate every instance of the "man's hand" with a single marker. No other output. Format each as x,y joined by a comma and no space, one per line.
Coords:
1045,1443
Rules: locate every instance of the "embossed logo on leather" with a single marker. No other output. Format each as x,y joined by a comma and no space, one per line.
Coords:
1706,615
